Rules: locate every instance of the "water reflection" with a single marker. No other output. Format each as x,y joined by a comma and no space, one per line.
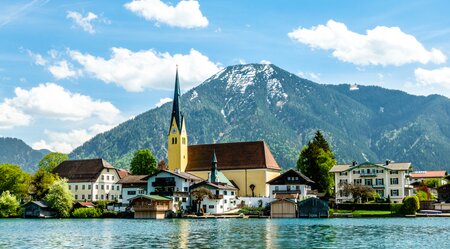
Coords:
225,233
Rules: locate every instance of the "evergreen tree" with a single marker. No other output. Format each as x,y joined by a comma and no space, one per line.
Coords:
315,161
143,163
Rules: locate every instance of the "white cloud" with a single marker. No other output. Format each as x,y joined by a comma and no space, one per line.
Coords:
53,101
265,62
379,46
38,58
65,142
440,76
313,76
62,70
242,62
136,71
85,22
11,117
163,101
186,14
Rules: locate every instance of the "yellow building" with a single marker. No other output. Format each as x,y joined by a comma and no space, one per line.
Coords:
248,165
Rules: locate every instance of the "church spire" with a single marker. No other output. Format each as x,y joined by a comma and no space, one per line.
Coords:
176,103
214,168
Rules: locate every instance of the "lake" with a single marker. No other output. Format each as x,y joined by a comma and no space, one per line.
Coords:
226,233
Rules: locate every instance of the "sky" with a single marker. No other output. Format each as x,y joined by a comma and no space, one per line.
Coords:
72,69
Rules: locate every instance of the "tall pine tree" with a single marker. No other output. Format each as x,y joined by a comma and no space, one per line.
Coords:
315,161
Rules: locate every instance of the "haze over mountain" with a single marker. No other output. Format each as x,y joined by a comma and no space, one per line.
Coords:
16,151
264,102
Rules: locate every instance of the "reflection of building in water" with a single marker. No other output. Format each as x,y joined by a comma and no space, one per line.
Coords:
270,233
183,232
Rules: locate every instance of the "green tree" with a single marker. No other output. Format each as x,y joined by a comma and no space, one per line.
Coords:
8,204
199,194
357,191
14,180
41,182
143,163
51,160
60,198
315,161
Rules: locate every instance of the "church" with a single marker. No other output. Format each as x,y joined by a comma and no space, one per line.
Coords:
248,165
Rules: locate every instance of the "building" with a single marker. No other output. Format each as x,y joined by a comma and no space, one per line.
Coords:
223,192
249,165
151,206
174,185
38,209
283,208
91,179
132,186
389,179
419,176
291,182
313,208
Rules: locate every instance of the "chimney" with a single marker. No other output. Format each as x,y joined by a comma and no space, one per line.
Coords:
388,161
354,163
162,165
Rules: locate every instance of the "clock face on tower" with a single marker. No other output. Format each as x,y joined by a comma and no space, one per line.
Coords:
174,130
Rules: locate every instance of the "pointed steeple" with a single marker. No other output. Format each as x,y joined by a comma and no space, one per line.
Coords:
176,103
214,168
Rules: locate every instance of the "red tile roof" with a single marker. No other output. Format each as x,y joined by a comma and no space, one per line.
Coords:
240,155
133,179
122,173
429,174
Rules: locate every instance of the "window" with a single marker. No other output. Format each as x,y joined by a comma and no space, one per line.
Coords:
288,187
357,181
343,173
103,187
394,192
379,182
107,170
177,199
276,188
131,192
82,197
184,199
343,181
368,182
120,196
89,186
394,172
103,177
112,187
101,197
297,187
176,140
232,192
225,192
211,206
76,187
394,181
112,178
96,186
107,178
217,192
380,193
70,187
82,187
96,197
118,188
225,201
173,140
185,189
107,187
89,197
76,197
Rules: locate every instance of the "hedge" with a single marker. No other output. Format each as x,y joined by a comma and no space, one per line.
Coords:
369,206
86,213
410,205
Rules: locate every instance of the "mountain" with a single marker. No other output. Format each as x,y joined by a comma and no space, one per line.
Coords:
265,102
16,151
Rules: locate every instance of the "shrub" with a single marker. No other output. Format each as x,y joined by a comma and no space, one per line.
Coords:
410,205
247,210
86,213
8,205
395,207
109,214
102,204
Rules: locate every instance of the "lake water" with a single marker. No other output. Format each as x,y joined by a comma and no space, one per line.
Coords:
226,233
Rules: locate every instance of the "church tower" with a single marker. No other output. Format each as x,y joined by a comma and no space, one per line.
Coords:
177,138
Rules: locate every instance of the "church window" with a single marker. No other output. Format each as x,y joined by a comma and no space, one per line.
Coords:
175,140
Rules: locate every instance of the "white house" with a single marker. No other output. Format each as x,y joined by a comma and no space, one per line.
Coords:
387,179
174,184
91,179
291,182
224,197
132,186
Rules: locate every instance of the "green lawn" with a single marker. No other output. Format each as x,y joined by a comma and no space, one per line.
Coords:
364,212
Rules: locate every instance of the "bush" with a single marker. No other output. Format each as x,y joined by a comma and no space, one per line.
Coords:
395,207
86,213
251,210
102,204
109,214
8,205
410,205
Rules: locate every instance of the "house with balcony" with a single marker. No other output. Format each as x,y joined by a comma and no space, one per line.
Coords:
174,185
388,179
91,179
132,186
291,183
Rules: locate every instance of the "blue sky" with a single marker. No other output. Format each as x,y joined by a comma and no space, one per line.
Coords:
69,70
